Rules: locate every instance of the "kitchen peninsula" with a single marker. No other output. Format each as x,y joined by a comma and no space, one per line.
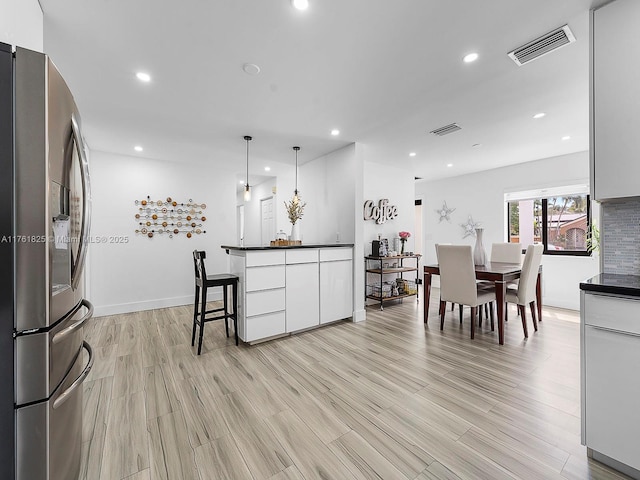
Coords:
283,290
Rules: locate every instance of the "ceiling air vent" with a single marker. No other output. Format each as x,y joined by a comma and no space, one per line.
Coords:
543,45
447,129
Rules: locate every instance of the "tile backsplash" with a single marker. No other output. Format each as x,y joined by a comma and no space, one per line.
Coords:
620,236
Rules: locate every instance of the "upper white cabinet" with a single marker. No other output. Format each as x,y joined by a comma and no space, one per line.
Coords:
615,90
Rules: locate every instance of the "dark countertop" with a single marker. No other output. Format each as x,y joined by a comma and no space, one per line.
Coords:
613,283
288,247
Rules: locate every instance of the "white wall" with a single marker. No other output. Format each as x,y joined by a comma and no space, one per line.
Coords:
327,185
22,24
397,185
482,196
252,210
148,273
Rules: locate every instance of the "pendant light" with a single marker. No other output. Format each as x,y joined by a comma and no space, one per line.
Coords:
247,188
296,197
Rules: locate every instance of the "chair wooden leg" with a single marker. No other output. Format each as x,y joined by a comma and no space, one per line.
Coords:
195,315
523,315
533,315
491,313
453,306
460,307
226,309
443,306
480,316
506,312
473,321
235,310
203,309
440,308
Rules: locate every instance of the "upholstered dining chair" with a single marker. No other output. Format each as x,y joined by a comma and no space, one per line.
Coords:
458,281
525,293
507,252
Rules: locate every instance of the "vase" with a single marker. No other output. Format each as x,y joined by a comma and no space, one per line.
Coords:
479,254
295,231
402,241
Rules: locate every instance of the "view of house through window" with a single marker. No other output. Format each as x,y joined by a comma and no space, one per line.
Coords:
560,223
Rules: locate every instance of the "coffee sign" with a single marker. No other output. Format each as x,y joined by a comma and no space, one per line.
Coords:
380,213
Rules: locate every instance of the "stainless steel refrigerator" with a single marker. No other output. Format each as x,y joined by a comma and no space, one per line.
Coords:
44,235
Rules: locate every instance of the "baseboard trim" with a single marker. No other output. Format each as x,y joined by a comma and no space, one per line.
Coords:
116,309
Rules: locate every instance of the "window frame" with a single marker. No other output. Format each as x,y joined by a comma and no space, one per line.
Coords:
545,228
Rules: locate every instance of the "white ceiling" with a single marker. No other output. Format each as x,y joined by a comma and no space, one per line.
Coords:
384,72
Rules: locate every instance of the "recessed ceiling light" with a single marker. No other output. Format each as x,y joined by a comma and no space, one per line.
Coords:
412,154
251,69
267,169
300,4
138,148
470,57
566,137
143,77
539,115
241,182
335,132
449,164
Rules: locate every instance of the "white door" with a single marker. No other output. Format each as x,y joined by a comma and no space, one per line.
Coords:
268,221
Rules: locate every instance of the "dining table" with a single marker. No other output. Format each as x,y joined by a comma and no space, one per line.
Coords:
497,272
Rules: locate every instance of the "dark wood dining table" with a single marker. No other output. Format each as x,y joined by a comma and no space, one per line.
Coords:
497,272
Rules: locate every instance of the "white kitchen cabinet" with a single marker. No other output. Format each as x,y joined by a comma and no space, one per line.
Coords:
303,302
336,284
615,91
285,290
610,380
261,296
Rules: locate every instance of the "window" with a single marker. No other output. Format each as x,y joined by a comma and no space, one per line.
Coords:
559,222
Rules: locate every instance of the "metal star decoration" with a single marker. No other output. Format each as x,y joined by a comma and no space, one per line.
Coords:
444,212
470,227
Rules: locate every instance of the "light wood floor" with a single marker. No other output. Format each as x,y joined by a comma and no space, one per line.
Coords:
386,398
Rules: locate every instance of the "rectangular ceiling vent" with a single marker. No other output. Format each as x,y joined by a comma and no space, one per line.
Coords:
543,45
447,129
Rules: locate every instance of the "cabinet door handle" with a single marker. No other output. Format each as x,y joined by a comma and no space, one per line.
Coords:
613,330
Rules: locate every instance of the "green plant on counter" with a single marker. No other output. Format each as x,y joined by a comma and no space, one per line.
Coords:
593,239
295,209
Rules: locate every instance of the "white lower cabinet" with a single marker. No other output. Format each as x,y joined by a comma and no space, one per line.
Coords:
286,290
611,383
336,290
303,303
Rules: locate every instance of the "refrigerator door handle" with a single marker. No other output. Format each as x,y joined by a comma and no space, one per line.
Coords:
62,334
86,207
78,381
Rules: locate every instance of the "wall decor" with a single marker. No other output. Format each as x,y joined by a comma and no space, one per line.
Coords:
169,217
380,213
444,212
470,227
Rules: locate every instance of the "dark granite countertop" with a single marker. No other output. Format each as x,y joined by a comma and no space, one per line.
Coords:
288,247
613,283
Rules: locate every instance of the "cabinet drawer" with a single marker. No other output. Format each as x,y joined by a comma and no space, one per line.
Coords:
265,257
615,313
263,326
304,255
264,278
265,301
332,254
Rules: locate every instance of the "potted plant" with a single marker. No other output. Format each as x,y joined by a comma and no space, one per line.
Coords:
295,210
403,239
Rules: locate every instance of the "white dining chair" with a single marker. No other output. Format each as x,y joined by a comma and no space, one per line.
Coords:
525,293
506,252
458,281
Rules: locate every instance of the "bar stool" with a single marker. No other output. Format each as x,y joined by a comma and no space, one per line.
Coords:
200,312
